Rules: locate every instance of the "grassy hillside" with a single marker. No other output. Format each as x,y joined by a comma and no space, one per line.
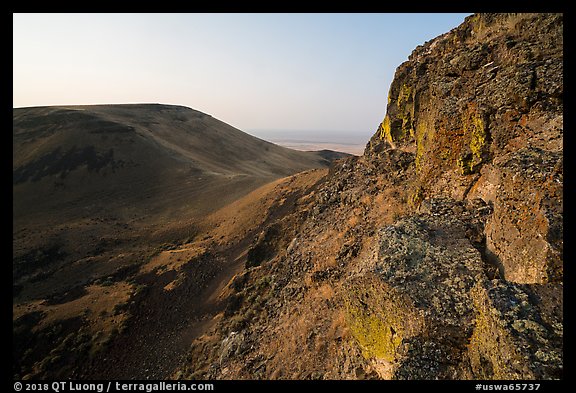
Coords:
101,190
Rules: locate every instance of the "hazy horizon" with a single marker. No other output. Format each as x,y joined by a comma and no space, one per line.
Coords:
252,71
352,142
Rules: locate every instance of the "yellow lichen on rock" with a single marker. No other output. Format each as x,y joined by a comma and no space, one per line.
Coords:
404,95
473,128
378,338
512,339
416,197
384,129
405,112
421,131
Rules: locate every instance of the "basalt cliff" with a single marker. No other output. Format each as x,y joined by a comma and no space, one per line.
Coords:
436,254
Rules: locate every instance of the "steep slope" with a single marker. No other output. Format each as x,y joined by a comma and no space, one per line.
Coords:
438,253
86,177
182,289
99,191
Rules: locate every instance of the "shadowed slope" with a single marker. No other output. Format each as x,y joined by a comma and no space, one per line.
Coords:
91,181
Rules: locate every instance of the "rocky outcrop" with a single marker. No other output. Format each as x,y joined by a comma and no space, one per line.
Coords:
426,308
516,334
481,107
411,307
437,254
524,235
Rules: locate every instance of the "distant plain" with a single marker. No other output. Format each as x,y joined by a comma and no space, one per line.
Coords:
310,140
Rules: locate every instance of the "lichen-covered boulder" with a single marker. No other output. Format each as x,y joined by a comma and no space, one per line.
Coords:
517,335
410,308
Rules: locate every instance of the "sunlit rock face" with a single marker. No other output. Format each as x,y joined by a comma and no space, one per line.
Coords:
439,252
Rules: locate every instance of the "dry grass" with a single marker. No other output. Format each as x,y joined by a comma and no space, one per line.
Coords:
244,214
98,307
172,259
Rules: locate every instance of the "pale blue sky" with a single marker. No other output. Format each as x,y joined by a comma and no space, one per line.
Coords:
253,71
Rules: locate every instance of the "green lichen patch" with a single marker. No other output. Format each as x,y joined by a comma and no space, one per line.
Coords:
404,96
475,130
395,130
398,123
466,164
511,340
384,129
407,128
378,337
416,197
421,144
405,106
